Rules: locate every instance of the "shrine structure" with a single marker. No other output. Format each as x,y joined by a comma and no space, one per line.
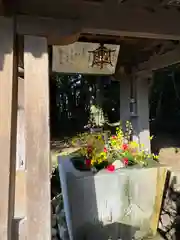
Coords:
148,34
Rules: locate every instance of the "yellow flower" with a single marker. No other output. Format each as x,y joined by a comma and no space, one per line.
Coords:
156,157
134,144
142,145
151,137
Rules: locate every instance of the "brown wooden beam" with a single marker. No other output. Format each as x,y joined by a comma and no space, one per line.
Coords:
8,125
57,31
36,76
159,62
1,7
125,21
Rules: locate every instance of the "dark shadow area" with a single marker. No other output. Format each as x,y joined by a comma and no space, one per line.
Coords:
18,228
164,140
112,231
164,101
7,37
55,183
71,97
35,46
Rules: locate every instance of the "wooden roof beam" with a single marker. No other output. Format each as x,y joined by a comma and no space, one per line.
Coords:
1,7
124,21
132,22
159,62
57,31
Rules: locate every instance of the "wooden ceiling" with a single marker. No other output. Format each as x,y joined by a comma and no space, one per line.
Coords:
143,28
133,51
133,18
75,8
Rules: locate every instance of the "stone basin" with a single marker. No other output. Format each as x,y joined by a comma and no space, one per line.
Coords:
124,204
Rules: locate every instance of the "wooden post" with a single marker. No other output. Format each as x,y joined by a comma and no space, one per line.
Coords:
124,99
37,152
141,122
8,121
20,151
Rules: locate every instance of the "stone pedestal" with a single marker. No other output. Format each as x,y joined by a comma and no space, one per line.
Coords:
123,205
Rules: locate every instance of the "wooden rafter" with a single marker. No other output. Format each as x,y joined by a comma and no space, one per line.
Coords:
171,3
123,22
131,22
1,7
159,61
61,31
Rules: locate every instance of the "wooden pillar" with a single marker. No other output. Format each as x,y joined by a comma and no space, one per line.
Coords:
37,152
20,193
141,121
8,123
124,99
20,151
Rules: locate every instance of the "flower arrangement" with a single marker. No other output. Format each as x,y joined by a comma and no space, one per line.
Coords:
92,148
120,147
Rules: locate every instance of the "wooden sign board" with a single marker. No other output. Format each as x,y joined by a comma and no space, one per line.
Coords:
76,58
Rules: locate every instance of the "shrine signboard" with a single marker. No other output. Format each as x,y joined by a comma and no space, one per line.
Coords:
78,58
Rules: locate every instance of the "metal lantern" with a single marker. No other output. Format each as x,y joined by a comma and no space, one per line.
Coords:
101,56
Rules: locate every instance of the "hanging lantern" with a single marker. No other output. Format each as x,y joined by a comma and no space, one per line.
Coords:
101,56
